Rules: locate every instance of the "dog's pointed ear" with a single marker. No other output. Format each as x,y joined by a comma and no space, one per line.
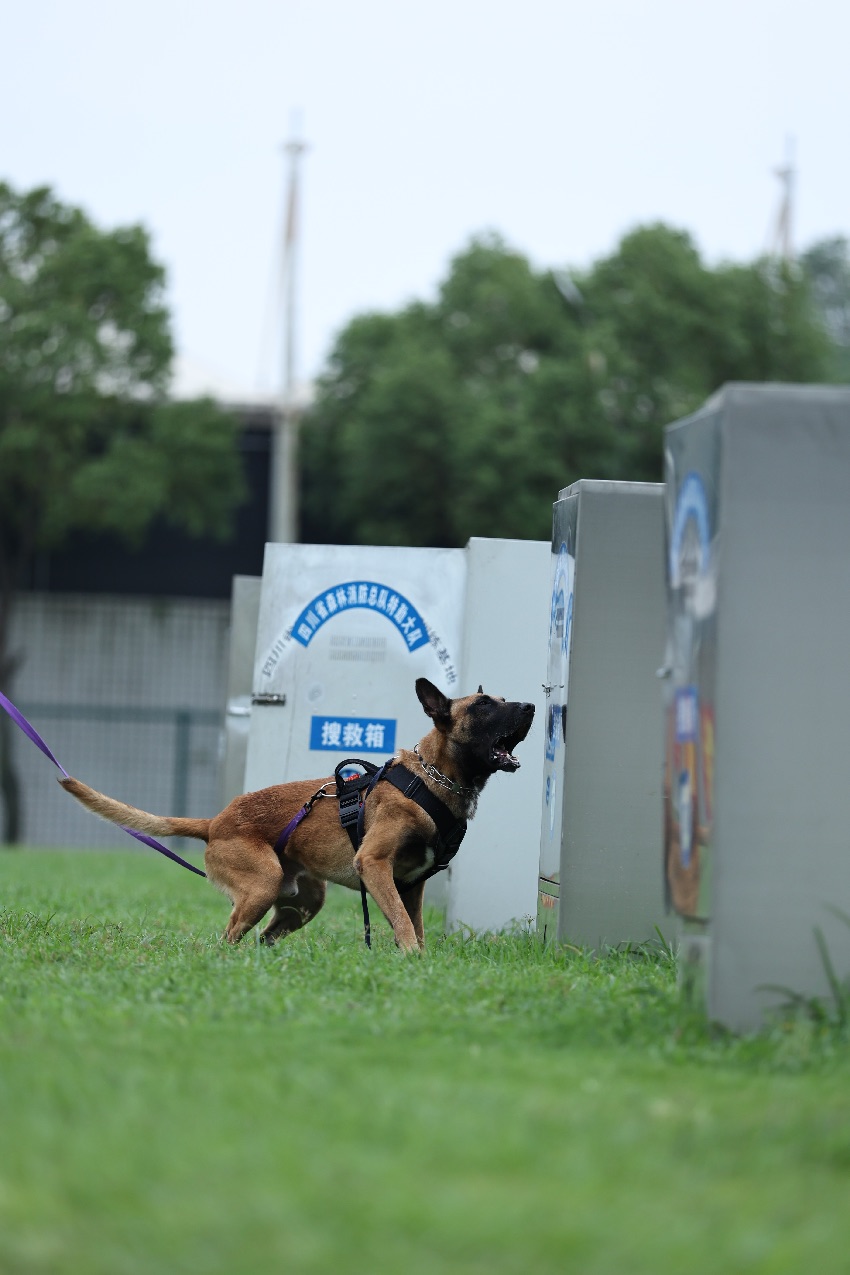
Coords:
436,704
480,690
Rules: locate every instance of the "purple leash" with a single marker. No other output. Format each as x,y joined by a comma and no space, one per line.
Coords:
31,733
29,730
280,844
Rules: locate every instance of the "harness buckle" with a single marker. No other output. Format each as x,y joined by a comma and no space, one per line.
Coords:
349,808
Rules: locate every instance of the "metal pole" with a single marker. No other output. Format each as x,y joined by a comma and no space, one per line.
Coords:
283,517
182,736
783,246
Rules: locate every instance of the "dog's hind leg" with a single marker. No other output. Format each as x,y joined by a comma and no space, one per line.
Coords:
291,912
250,874
247,911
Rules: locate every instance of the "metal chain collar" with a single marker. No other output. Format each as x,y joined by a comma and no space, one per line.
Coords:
438,776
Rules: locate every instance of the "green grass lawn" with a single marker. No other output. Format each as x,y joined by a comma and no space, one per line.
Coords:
169,1104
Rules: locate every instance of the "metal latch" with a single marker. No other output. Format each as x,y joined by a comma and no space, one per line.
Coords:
277,700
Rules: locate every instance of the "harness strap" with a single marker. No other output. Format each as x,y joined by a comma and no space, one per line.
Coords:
450,830
352,793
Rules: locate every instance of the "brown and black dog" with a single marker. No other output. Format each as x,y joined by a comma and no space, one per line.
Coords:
471,739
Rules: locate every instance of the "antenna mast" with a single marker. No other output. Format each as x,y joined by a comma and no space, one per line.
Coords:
283,518
782,245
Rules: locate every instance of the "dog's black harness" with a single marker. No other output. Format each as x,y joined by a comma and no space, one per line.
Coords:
352,791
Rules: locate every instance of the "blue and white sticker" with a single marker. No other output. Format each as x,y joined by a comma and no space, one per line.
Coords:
560,634
687,715
690,539
364,594
561,611
686,818
347,734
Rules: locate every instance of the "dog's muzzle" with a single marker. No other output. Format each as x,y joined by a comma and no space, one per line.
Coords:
502,755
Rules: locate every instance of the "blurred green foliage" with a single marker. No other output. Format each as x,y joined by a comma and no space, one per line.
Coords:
87,436
826,266
466,415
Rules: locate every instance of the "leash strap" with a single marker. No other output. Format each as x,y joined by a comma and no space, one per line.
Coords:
32,734
280,844
30,731
367,924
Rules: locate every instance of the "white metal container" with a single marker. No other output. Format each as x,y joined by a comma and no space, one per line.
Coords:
343,633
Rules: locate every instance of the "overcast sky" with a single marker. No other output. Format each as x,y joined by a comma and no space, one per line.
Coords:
559,124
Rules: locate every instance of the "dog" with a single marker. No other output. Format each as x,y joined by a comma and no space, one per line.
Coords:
471,739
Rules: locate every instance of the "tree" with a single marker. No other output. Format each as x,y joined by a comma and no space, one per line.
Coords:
676,330
382,366
88,438
444,420
826,266
466,415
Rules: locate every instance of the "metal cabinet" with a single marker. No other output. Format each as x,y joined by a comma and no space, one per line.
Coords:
757,859
600,877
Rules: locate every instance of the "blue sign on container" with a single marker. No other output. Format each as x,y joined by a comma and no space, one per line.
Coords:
353,734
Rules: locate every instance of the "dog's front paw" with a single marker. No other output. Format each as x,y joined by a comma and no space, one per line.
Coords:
408,947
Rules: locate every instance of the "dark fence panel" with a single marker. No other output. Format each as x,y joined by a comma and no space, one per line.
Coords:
163,760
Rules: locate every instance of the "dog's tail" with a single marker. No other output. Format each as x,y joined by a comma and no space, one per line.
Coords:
117,812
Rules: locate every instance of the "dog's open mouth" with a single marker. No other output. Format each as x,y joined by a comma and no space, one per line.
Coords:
503,757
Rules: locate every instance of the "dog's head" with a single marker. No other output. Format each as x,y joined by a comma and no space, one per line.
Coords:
480,731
